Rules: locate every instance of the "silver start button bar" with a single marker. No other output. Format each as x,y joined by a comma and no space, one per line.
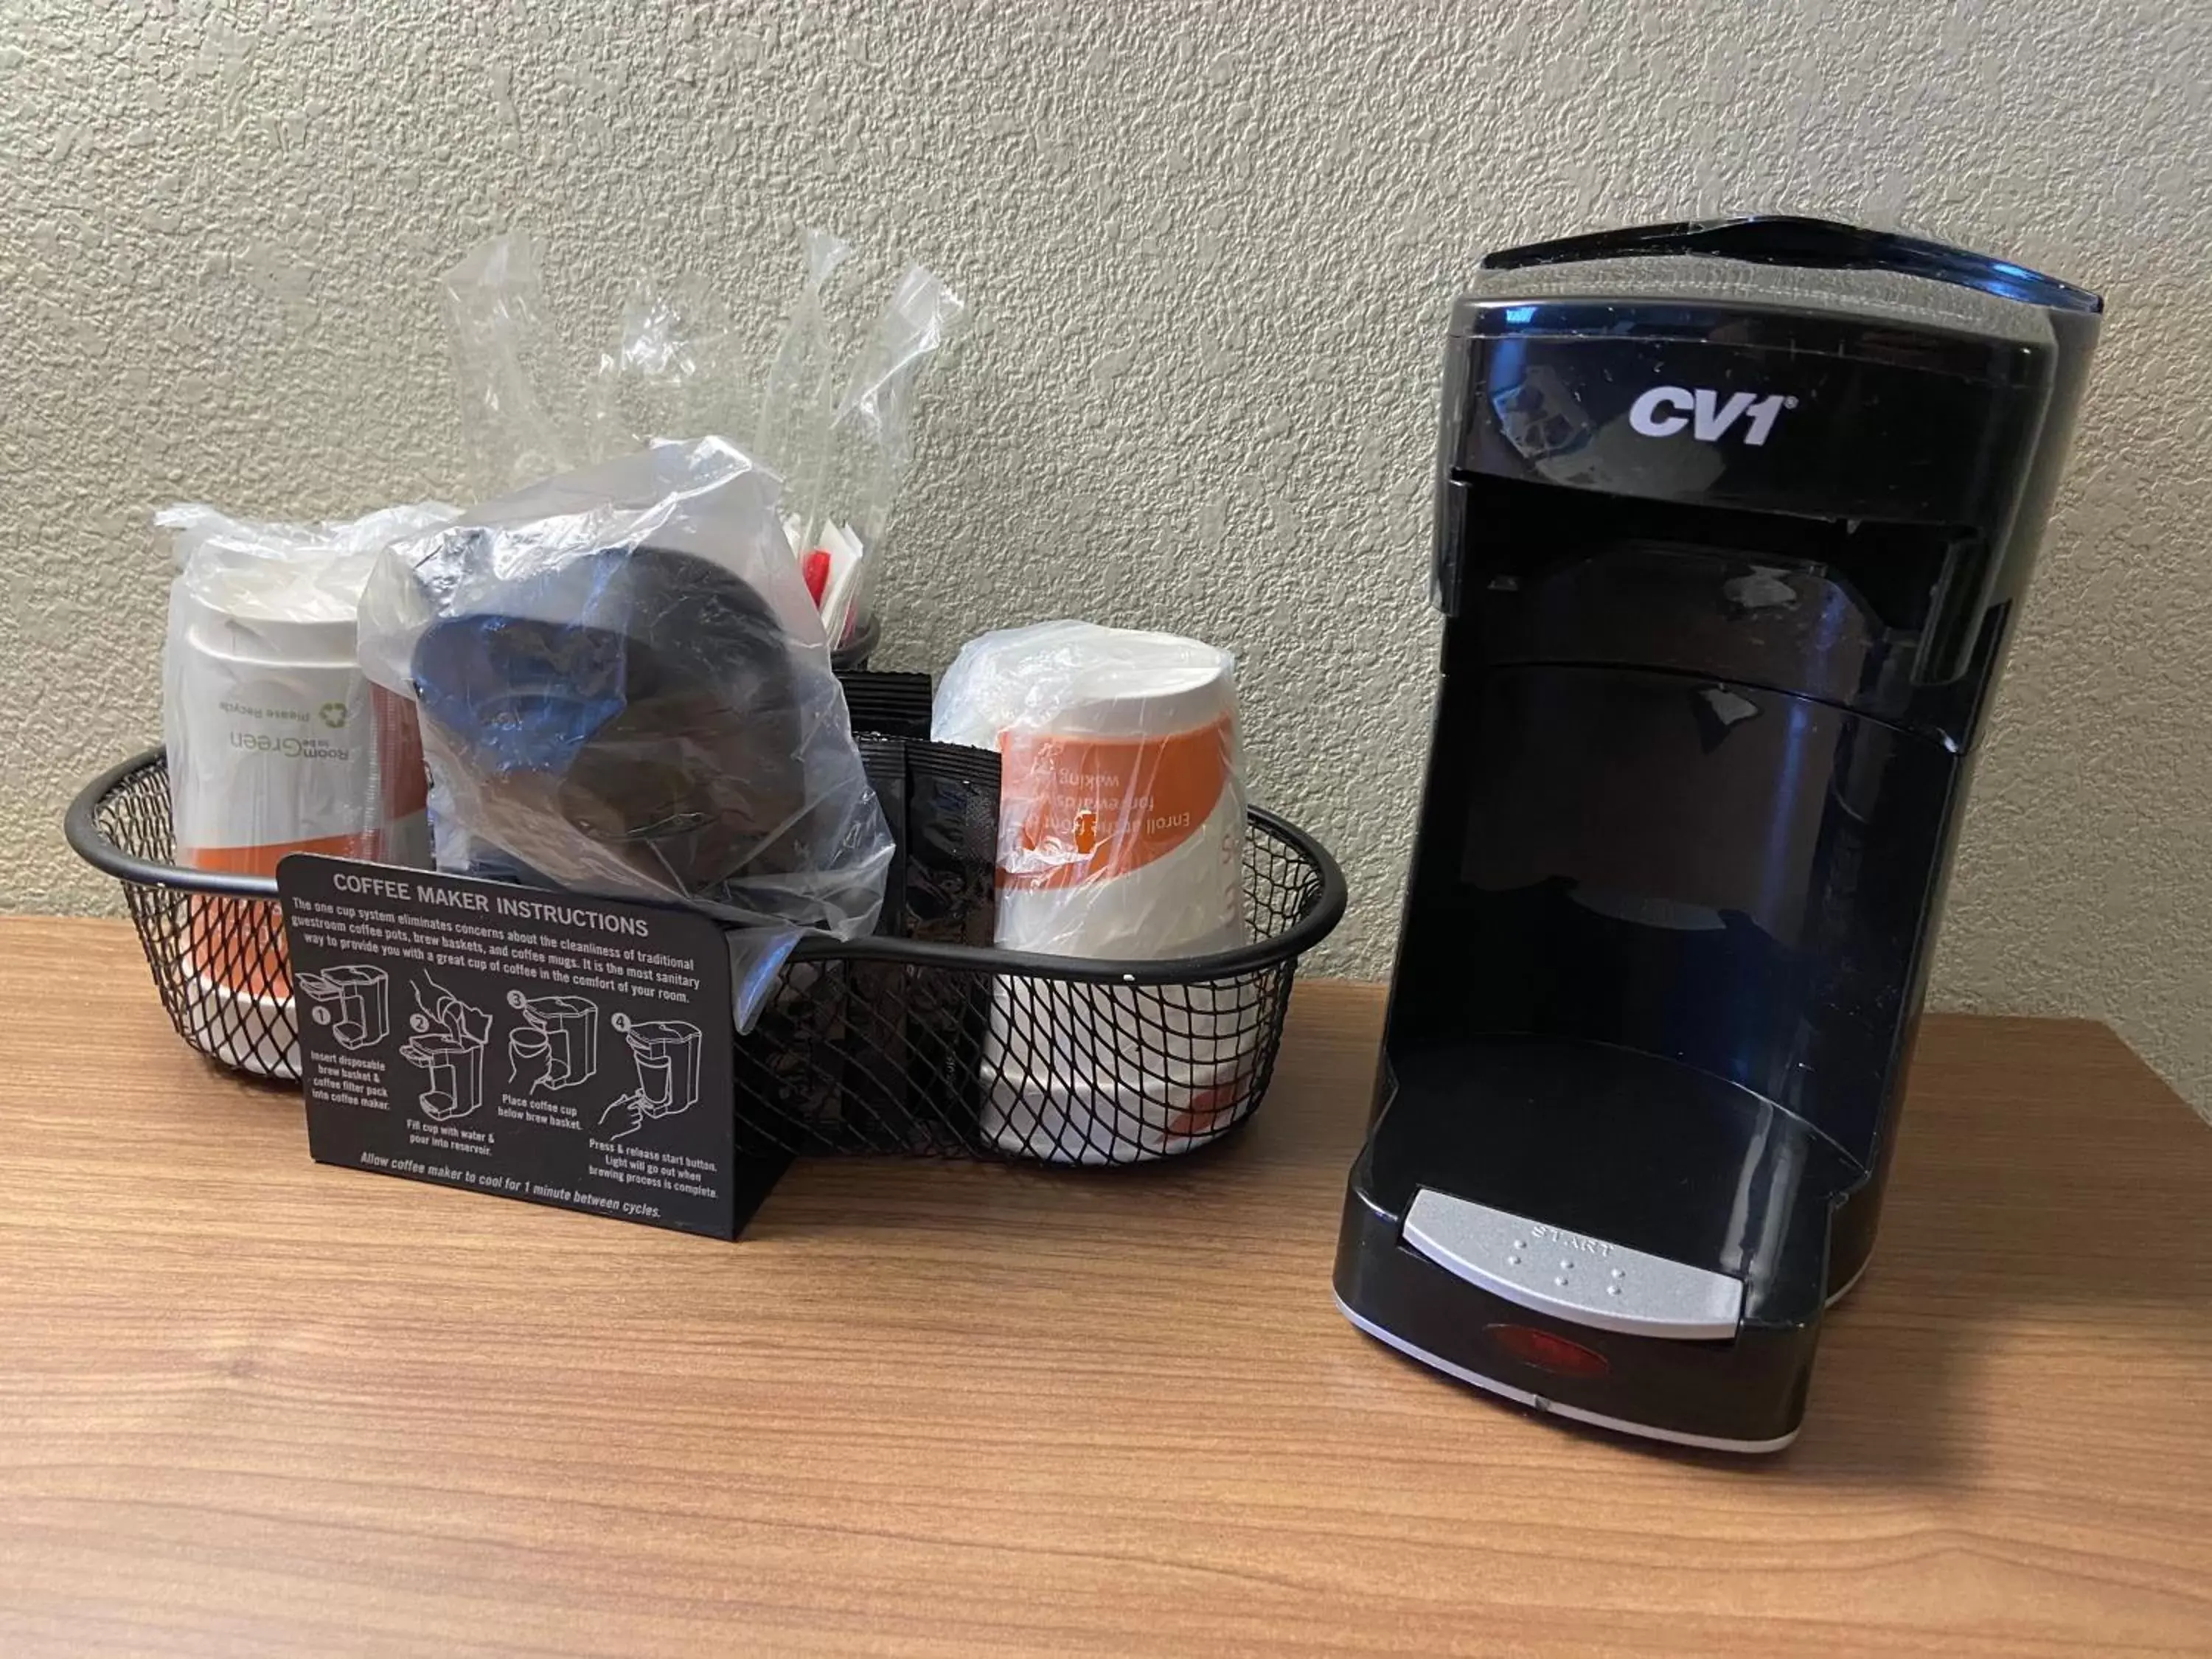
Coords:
1570,1275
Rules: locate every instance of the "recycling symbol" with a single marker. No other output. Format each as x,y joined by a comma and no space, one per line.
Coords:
334,715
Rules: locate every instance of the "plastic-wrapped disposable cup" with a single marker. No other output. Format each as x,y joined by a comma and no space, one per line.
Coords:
1122,825
279,745
1091,1100
1121,839
250,1030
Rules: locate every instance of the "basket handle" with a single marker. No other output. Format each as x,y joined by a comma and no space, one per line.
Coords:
81,827
1300,936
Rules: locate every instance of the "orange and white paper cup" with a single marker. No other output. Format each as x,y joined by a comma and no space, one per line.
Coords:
1120,838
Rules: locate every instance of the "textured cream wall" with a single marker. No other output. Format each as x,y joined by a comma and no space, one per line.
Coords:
1214,245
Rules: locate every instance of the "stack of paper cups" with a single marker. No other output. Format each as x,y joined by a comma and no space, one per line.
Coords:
277,745
1122,831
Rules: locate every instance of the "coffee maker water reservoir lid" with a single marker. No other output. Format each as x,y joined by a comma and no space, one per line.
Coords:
1808,245
1863,287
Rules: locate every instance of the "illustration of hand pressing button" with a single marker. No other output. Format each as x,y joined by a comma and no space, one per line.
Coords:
666,1054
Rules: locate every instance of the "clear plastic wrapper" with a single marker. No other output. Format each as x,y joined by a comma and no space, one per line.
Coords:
624,689
276,743
870,443
1121,820
851,477
1121,837
520,416
795,394
674,373
876,414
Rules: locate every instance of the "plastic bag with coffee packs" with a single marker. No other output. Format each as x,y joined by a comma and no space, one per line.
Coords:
624,688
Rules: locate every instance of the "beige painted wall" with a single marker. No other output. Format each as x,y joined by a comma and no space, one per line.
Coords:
1214,245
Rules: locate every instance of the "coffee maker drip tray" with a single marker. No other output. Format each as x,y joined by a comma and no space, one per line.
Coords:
1609,1233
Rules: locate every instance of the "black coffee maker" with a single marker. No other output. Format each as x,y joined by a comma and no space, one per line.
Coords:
1733,521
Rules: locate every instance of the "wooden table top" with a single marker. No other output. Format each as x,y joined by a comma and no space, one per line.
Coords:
250,1405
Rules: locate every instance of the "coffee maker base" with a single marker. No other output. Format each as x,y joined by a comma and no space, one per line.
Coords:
1634,1244
1551,1407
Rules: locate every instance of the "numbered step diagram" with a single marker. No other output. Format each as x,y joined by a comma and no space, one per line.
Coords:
354,1002
448,1043
564,1049
557,1044
665,1053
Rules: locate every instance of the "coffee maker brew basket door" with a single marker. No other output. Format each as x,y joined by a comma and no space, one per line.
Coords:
1711,874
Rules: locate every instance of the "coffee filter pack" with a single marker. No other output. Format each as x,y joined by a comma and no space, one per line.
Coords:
624,688
623,662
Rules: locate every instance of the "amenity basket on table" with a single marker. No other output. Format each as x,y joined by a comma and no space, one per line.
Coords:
877,1045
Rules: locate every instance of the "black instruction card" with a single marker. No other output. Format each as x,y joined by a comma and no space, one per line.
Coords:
565,1049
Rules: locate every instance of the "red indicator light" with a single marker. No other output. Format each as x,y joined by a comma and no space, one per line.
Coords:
1547,1353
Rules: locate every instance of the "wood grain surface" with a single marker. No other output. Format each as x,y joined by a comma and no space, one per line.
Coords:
249,1405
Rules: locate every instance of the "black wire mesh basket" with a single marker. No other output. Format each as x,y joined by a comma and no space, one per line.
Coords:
879,1045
